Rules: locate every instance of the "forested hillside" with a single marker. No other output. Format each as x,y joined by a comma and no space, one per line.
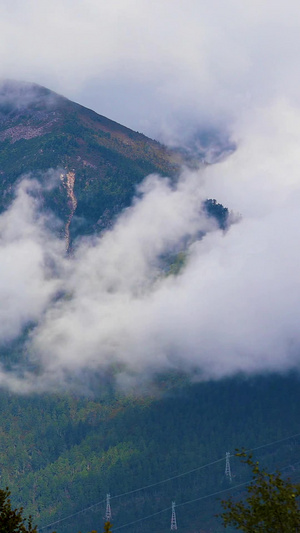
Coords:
60,455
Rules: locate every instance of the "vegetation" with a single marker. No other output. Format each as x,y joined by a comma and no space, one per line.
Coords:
62,454
11,520
218,211
271,505
108,159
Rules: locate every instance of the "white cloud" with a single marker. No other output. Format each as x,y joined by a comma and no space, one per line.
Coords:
27,284
152,64
234,307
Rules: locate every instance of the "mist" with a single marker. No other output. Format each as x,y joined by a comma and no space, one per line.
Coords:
232,308
164,68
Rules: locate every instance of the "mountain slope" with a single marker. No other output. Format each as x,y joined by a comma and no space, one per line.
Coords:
100,161
62,454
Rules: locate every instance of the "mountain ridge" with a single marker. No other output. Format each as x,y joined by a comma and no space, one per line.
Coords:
100,161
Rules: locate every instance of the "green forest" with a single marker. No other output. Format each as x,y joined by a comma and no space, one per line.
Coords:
62,454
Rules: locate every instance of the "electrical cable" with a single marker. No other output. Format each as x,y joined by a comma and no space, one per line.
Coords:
181,504
198,499
165,481
71,515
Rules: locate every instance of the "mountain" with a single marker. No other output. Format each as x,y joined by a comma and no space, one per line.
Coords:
60,454
100,162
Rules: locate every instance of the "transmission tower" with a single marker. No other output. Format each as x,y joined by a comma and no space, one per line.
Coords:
173,518
227,467
108,509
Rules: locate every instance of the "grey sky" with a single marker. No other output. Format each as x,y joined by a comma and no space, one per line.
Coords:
157,66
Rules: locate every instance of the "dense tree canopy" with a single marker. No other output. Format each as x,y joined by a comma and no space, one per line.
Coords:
62,454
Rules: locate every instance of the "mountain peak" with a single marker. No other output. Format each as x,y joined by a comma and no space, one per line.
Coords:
40,129
17,95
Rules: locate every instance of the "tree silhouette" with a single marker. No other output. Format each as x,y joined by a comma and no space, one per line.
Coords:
271,505
11,520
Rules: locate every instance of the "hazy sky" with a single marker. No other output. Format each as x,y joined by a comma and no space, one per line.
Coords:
166,68
161,67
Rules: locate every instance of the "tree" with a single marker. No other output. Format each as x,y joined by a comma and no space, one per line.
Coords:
11,520
271,505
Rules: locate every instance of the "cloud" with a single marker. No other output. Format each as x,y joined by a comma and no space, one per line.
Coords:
235,305
15,95
27,280
160,67
111,282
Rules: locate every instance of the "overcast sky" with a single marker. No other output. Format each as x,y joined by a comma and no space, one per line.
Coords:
161,67
165,68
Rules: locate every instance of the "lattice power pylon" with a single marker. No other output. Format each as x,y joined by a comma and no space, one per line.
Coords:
108,509
173,518
227,467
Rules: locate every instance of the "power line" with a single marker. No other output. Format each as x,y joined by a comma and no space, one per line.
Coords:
274,442
214,493
198,499
108,509
181,504
133,491
71,515
199,468
165,481
168,479
144,518
227,467
173,518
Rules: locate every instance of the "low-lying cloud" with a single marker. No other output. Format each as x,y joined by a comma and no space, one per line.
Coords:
234,306
27,253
